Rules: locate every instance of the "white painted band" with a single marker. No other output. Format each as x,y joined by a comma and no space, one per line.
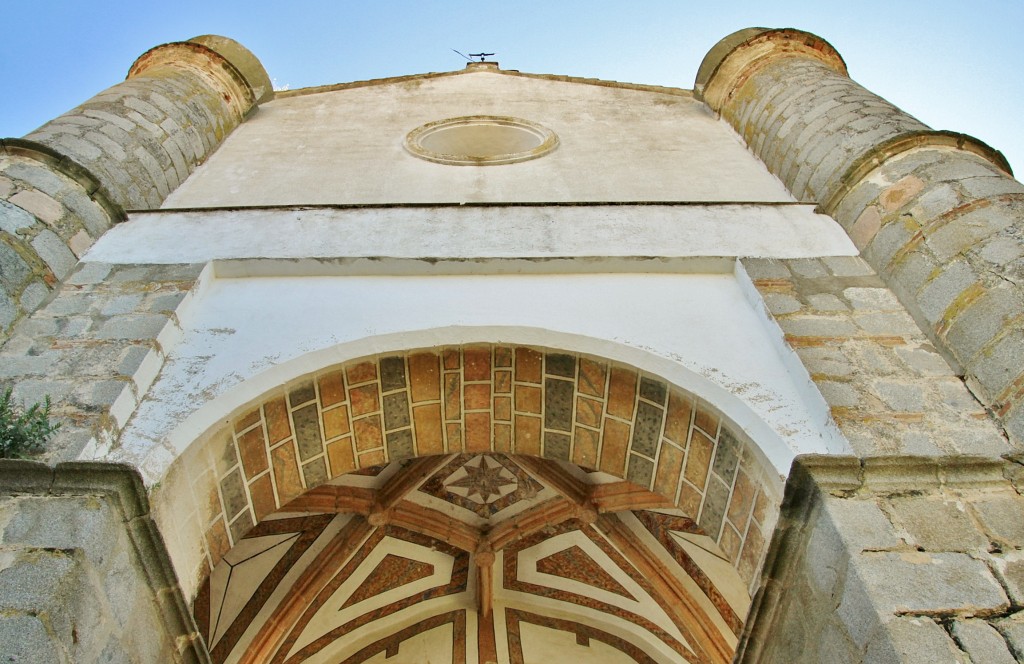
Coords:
671,231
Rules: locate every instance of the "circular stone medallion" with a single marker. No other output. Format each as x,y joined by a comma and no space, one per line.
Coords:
480,140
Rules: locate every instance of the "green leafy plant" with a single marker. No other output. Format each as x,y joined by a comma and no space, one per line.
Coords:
24,431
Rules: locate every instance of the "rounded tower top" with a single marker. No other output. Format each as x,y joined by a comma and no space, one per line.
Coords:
237,62
733,59
243,60
719,51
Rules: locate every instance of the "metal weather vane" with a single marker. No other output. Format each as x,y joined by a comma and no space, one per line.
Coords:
474,55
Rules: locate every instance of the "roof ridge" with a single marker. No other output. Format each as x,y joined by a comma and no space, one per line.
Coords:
301,92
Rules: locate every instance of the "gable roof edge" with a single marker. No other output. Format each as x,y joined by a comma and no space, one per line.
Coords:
301,92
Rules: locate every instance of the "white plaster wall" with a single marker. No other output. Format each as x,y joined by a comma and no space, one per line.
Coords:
346,146
761,231
245,336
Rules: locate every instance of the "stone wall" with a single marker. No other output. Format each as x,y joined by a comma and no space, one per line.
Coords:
67,182
84,576
887,387
936,214
894,559
95,347
51,212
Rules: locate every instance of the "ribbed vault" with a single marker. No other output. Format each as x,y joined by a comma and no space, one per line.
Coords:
482,503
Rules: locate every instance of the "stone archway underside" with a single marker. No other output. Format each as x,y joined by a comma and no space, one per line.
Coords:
297,472
474,557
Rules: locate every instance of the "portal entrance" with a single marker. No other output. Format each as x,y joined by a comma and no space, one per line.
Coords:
474,504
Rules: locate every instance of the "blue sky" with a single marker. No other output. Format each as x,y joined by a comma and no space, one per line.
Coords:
953,65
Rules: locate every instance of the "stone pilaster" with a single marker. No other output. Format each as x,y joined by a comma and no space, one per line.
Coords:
84,575
936,214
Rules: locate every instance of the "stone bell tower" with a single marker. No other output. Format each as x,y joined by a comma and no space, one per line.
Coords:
489,366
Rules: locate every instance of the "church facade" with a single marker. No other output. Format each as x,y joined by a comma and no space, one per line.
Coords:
489,366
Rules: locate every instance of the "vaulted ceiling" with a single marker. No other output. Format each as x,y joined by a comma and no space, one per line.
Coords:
474,558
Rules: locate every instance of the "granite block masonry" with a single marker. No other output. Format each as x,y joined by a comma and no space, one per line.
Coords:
63,185
937,214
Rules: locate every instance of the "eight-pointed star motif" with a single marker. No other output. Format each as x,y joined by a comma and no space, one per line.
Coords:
483,482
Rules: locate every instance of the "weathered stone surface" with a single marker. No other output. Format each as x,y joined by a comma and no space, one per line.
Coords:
840,395
39,579
1002,516
33,295
901,396
60,522
857,612
875,367
912,641
863,526
847,266
8,310
90,273
1012,629
13,268
780,303
934,584
39,205
763,268
132,326
88,347
818,326
14,218
937,524
25,640
982,642
874,299
983,319
82,567
828,362
848,555
1010,569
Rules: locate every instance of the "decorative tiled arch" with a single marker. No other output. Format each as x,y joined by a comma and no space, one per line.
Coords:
558,405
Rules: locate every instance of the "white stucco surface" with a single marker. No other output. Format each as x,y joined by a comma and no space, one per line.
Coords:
347,146
245,336
762,231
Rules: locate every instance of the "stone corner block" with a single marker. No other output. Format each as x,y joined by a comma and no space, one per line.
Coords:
24,476
1002,517
936,524
940,584
862,524
122,480
831,473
